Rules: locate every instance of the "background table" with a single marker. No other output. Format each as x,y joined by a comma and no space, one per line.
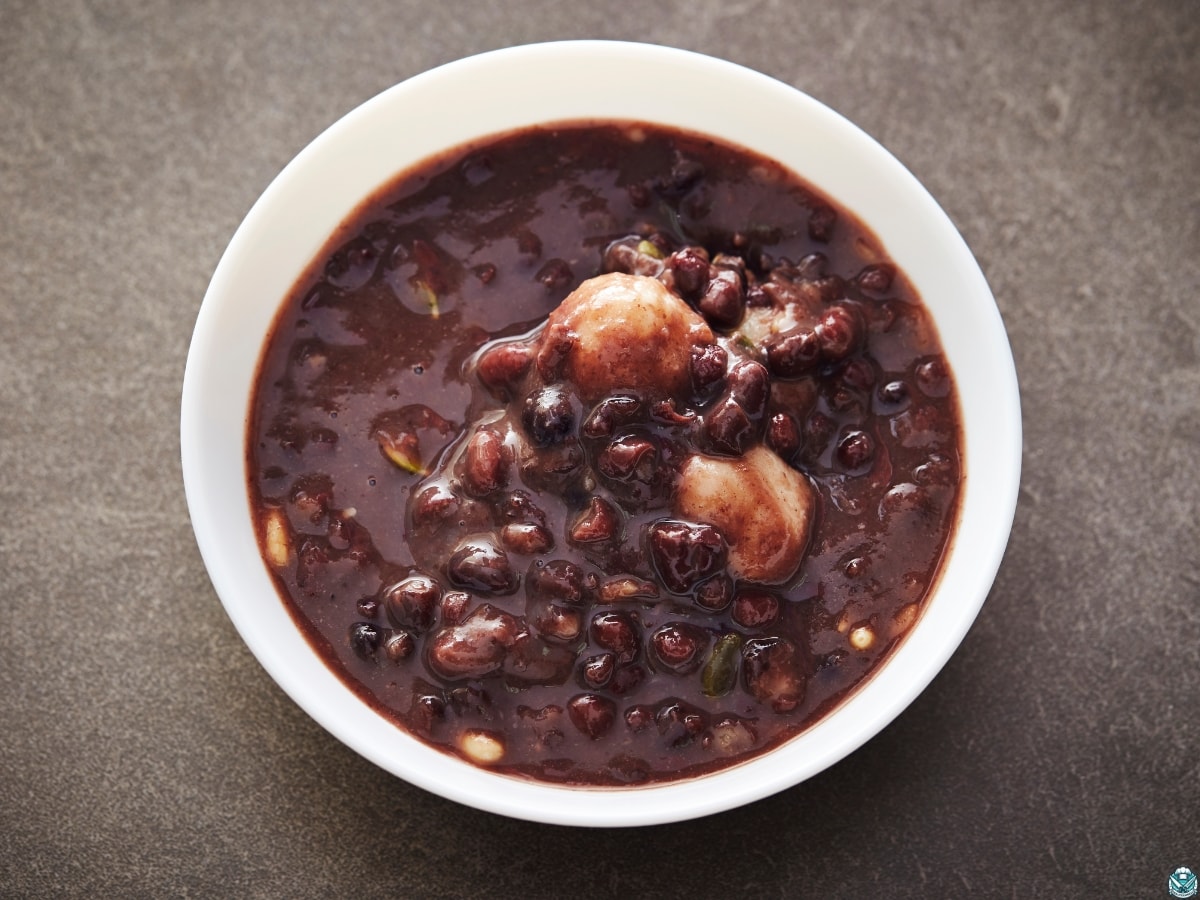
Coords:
143,751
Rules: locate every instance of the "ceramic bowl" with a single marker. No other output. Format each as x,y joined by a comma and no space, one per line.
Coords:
507,89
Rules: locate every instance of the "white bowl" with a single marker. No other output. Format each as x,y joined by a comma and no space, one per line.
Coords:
507,89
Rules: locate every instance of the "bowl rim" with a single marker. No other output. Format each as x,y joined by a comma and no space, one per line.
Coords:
291,221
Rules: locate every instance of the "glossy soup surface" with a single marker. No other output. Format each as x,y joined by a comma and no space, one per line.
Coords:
656,536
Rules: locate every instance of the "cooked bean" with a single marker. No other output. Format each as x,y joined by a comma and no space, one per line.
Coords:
750,386
474,648
707,363
364,639
795,353
629,458
454,606
616,631
678,647
399,645
839,332
479,565
592,714
412,603
597,671
723,299
600,522
434,505
528,539
730,430
689,267
714,594
610,413
685,553
485,463
783,435
556,622
502,367
855,451
754,608
558,579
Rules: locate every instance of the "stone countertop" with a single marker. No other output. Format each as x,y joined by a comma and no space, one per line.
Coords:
144,752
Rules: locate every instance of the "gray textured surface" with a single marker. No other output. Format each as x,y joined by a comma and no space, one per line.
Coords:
143,752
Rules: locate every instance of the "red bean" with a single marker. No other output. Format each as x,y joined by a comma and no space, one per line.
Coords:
729,428
610,413
877,279
501,367
479,565
678,647
665,411
812,267
399,645
855,451
599,523
519,507
597,671
558,579
894,395
554,622
629,458
485,463
454,607
427,708
840,332
690,269
639,718
754,608
783,435
592,714
818,431
616,631
821,222
548,416
708,362
750,386
858,374
795,353
529,539
364,639
938,469
723,300
685,553
412,603
933,378
434,505
715,594
474,648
